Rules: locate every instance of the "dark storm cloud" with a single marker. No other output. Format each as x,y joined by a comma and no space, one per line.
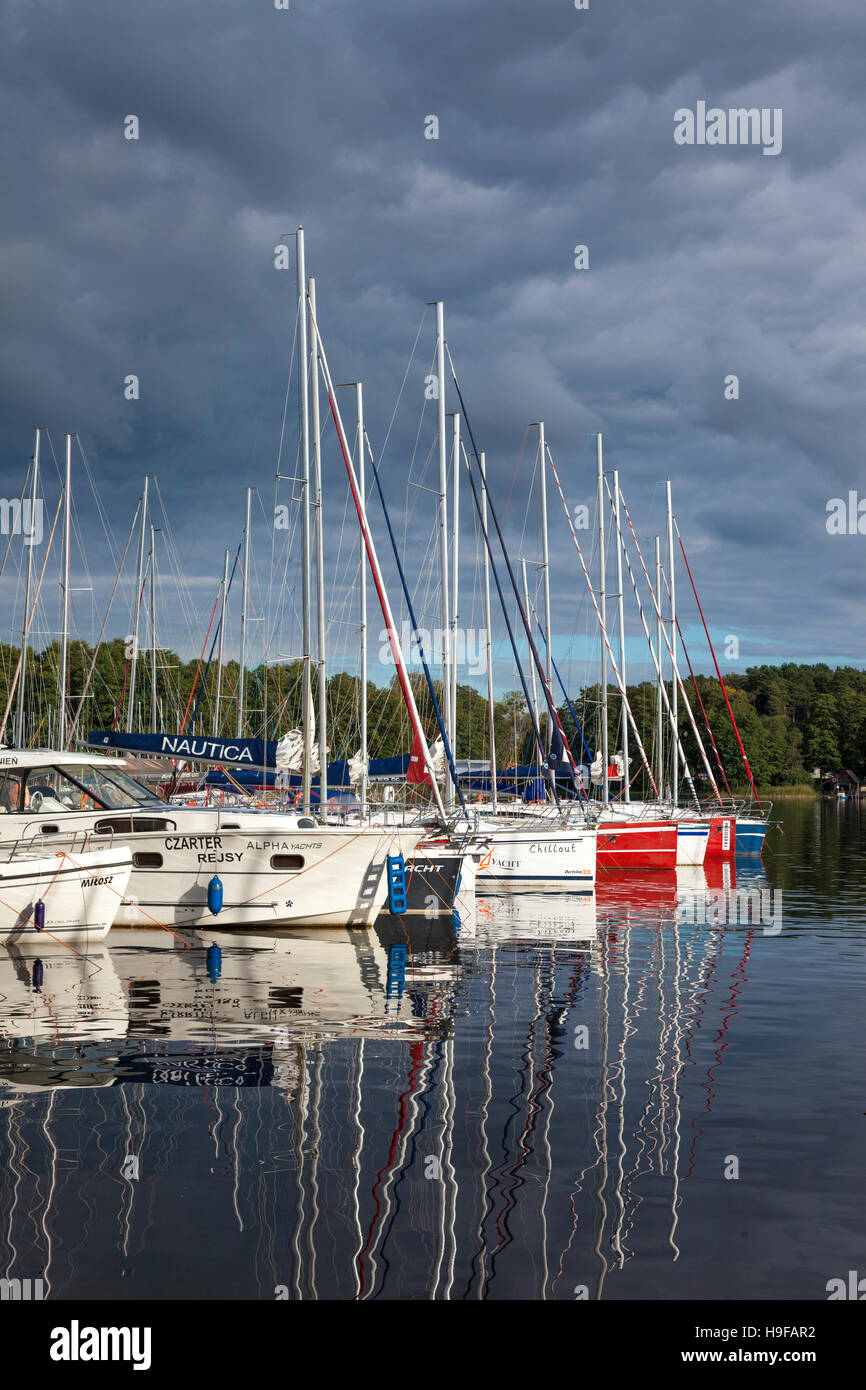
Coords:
556,128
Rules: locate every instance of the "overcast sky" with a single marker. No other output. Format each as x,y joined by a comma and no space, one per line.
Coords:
155,257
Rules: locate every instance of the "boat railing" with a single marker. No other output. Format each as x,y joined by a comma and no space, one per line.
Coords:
42,844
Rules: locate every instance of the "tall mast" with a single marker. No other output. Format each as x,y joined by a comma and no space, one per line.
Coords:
605,794
219,678
64,639
153,696
362,490
451,723
19,713
303,394
375,568
626,787
489,649
662,690
246,577
443,533
674,751
660,762
610,652
545,560
139,584
320,564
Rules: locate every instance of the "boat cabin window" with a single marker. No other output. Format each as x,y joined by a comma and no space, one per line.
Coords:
127,825
79,787
13,796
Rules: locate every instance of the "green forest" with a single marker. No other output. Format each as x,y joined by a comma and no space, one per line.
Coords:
793,719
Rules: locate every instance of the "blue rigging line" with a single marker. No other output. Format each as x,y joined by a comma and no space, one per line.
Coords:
554,717
564,691
416,630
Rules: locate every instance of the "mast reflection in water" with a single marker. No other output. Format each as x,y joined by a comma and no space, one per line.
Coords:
541,1102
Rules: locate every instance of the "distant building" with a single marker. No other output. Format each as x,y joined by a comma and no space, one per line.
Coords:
840,784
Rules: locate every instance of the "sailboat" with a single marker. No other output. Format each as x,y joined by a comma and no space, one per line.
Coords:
192,865
71,897
183,865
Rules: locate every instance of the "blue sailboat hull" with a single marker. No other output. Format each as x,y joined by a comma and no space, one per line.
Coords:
750,836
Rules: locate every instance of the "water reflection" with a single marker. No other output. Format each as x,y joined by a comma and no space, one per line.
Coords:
535,1102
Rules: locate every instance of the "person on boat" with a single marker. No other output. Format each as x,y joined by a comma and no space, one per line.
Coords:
10,796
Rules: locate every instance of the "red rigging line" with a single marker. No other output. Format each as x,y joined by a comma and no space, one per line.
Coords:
119,708
516,471
416,1054
719,674
200,660
703,711
393,639
553,713
656,598
401,675
628,709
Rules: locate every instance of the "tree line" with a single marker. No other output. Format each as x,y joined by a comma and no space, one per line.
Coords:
793,719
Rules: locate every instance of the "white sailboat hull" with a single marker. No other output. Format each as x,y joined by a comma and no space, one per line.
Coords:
561,856
81,893
342,880
692,841
273,870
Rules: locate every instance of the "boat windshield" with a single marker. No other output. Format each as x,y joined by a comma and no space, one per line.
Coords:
77,787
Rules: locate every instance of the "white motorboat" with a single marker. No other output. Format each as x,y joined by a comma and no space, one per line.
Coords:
191,865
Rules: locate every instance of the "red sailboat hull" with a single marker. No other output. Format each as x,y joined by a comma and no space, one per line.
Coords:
723,838
636,845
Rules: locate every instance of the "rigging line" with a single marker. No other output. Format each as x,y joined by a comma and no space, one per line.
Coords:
102,629
675,673
119,706
516,470
533,650
212,645
403,383
522,548
448,751
656,664
285,596
602,629
372,557
109,534
289,376
409,511
698,693
27,477
26,633
198,668
703,711
188,605
718,672
564,691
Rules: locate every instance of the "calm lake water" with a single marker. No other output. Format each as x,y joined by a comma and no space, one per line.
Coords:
654,1093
